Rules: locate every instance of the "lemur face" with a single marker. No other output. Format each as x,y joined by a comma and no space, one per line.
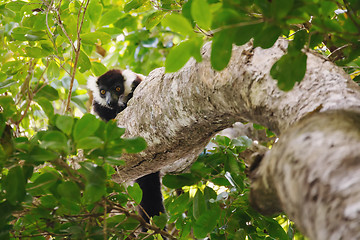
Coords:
114,88
111,88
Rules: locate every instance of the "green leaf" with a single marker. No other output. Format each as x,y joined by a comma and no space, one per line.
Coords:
14,185
84,62
267,36
112,131
16,5
198,204
135,192
160,221
53,70
10,109
206,222
178,23
115,161
221,182
178,56
200,11
154,19
35,52
69,190
133,4
43,182
46,106
94,10
89,143
48,201
93,193
93,38
134,145
93,173
281,8
19,33
231,164
6,84
110,17
290,68
245,33
54,140
47,92
178,181
38,154
299,41
65,123
35,35
98,68
85,126
221,49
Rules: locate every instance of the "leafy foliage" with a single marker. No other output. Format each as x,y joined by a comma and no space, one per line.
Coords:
56,161
214,198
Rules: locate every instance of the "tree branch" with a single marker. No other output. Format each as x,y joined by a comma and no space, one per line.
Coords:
178,113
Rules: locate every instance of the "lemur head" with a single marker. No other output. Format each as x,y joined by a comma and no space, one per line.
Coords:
114,88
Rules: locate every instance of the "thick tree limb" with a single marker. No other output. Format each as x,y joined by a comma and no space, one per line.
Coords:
312,173
178,113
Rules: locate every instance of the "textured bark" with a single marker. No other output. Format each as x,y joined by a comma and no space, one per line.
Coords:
313,174
178,113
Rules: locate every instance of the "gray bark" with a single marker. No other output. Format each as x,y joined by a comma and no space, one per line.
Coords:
178,113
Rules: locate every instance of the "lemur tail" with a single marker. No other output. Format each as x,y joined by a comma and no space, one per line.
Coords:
152,202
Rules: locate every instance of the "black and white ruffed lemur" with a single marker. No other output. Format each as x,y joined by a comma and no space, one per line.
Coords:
111,93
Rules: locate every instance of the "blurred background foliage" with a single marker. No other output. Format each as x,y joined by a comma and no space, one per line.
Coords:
55,179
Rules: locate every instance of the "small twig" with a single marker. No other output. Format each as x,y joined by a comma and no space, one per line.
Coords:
141,220
241,24
203,32
105,222
338,49
77,52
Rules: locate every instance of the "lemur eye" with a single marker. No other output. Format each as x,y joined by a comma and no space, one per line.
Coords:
118,89
102,91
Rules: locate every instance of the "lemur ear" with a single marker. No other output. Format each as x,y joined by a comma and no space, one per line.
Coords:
92,84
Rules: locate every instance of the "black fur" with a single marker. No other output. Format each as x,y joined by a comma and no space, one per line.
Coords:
152,202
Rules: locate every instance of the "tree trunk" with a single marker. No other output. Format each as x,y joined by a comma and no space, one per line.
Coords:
178,113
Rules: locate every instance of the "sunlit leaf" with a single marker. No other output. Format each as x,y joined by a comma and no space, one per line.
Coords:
47,92
95,10
153,20
133,4
110,17
200,11
85,127
178,23
98,68
135,192
221,49
84,62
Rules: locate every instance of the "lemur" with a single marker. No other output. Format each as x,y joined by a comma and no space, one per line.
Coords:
111,93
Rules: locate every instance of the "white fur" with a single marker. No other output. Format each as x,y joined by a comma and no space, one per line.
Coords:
92,85
129,78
